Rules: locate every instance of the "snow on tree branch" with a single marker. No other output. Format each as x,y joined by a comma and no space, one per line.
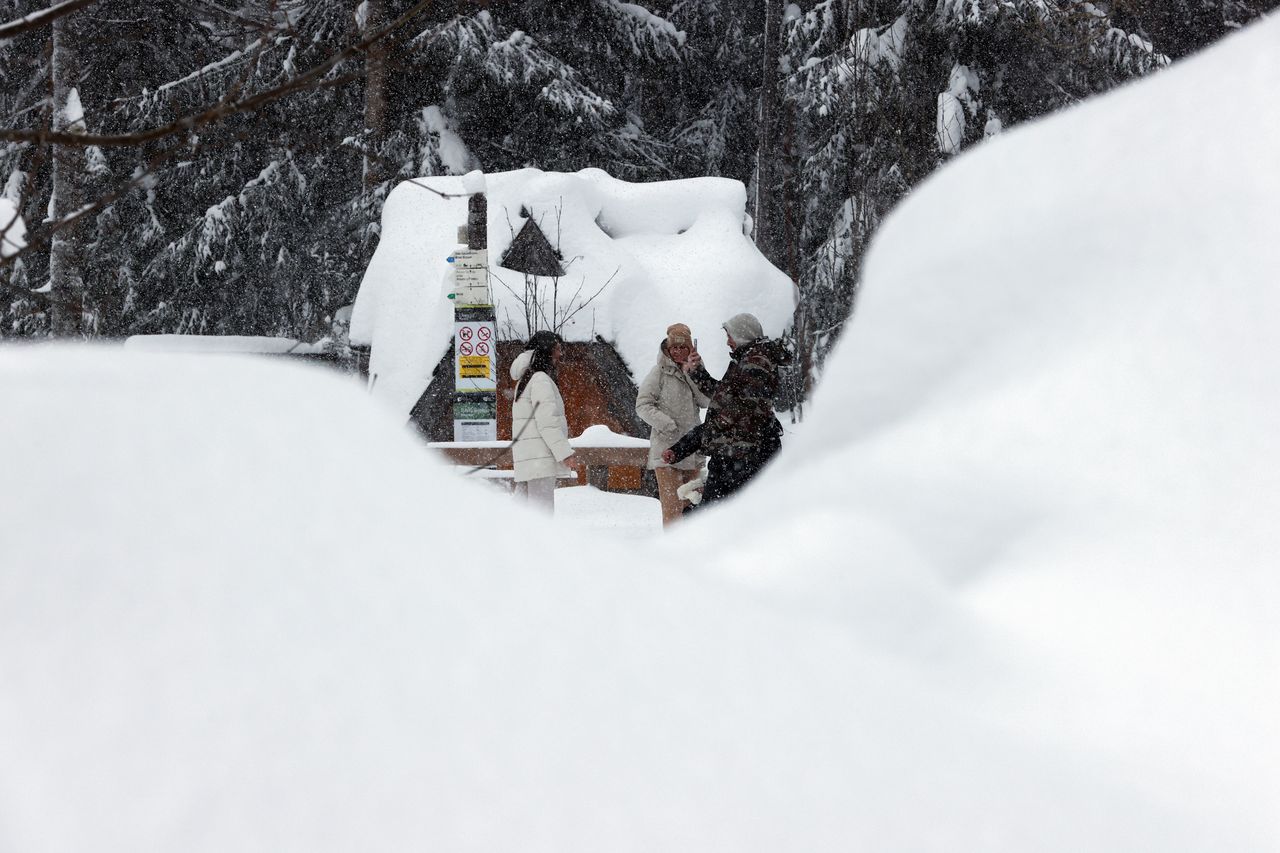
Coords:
43,18
314,78
519,59
13,230
649,35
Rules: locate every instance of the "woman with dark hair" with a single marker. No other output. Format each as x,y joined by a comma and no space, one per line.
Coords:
539,430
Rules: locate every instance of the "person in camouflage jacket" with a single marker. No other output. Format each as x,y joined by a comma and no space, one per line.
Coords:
741,433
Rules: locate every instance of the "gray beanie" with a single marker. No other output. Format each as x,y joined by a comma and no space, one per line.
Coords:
743,328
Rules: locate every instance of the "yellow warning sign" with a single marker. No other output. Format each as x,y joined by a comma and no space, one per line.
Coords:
473,366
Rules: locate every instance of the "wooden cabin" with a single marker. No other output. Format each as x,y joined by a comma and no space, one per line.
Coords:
596,386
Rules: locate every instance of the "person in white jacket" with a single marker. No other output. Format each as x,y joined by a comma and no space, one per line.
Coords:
539,430
670,403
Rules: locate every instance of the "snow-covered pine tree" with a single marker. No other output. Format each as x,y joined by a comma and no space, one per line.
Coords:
263,221
1180,27
150,43
140,192
559,84
712,104
250,258
885,90
24,87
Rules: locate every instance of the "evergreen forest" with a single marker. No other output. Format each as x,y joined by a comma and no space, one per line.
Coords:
218,166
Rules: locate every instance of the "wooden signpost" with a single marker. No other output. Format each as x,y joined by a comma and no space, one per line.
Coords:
475,338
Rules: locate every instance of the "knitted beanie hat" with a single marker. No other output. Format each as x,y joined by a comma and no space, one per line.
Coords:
678,335
744,328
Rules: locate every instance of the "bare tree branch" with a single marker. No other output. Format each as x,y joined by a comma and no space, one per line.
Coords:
138,179
421,185
569,316
229,14
42,18
312,79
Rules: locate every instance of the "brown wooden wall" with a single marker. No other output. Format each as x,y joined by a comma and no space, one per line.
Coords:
595,384
590,397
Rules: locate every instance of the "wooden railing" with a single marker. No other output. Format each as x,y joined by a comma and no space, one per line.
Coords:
598,448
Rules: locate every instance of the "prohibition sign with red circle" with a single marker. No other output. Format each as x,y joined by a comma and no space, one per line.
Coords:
481,348
484,332
465,333
465,348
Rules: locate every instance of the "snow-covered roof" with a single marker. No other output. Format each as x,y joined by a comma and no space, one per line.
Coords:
664,252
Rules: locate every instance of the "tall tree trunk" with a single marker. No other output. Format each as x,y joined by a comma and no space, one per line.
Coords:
375,94
770,223
775,229
66,279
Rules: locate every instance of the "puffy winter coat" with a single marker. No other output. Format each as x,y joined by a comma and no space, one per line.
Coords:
740,420
669,402
539,430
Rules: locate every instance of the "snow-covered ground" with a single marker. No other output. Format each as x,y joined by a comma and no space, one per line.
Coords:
584,508
1011,588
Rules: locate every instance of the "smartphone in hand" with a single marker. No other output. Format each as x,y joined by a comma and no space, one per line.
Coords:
691,363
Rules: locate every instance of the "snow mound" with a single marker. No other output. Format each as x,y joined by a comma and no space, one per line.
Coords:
599,435
1058,401
656,253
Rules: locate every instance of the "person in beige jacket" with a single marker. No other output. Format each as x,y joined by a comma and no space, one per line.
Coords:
539,430
669,403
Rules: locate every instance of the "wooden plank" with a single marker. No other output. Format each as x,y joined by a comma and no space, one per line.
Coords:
500,457
591,456
638,456
598,460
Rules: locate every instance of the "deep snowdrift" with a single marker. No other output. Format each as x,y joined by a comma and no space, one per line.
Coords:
663,252
1012,589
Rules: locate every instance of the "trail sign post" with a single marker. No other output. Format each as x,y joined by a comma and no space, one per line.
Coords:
475,343
475,361
471,277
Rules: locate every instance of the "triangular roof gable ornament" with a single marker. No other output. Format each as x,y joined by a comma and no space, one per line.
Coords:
531,253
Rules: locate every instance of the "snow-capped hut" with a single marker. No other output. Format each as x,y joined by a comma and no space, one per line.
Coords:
607,263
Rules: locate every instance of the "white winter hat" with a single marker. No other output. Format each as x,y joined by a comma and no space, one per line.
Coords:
521,364
743,328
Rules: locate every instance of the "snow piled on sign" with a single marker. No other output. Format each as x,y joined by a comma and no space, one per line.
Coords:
1012,589
663,252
